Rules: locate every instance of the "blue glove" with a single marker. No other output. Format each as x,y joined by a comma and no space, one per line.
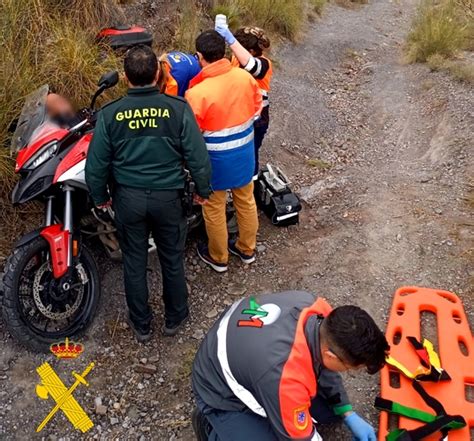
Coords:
361,429
224,31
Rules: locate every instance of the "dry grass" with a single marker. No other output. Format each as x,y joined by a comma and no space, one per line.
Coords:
317,5
318,163
441,27
460,69
283,17
46,42
188,27
39,46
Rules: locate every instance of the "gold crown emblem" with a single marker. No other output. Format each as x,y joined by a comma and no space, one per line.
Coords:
67,349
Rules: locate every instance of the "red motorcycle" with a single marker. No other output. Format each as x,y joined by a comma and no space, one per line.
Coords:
51,284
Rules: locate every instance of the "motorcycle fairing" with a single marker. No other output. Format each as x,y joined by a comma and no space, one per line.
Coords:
67,170
52,134
58,240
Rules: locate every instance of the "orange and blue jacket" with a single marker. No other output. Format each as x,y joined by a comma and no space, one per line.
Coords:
264,354
225,101
181,69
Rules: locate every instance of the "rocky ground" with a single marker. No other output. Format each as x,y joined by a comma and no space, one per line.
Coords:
381,153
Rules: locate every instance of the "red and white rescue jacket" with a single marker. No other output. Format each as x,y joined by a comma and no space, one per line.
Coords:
263,354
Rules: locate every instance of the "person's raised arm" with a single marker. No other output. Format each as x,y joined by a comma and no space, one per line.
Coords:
257,67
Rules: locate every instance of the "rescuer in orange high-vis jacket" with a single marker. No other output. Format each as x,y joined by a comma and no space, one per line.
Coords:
269,367
226,101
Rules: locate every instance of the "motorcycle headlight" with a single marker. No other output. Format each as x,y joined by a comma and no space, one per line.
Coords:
47,152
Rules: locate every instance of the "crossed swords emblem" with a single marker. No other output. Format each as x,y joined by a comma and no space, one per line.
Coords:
52,385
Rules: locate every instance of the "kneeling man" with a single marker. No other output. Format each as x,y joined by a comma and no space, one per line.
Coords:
268,369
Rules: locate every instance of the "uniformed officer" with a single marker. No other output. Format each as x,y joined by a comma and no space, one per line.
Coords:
141,143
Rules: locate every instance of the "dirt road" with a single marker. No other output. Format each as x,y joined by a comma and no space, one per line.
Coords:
380,153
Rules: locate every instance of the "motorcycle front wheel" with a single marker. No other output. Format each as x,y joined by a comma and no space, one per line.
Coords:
39,310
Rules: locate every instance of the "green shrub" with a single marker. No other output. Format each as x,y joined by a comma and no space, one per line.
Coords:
436,62
42,46
188,26
460,69
231,11
438,28
284,17
46,42
317,5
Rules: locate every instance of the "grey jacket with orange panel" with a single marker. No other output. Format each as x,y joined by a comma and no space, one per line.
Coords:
264,354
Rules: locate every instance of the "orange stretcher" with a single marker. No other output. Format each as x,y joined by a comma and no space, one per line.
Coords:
456,351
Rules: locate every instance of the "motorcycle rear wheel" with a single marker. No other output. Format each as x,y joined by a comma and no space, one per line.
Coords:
31,296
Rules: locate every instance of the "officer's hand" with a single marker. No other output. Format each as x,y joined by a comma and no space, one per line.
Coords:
104,206
361,429
199,200
224,31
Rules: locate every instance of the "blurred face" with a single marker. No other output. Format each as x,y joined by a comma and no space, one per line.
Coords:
57,105
335,363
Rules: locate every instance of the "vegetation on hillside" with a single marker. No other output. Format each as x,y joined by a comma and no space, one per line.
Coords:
284,17
441,30
46,42
53,43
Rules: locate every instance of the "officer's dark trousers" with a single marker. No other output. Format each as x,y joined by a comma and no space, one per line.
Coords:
137,213
248,426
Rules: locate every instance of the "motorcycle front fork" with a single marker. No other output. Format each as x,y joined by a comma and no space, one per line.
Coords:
67,217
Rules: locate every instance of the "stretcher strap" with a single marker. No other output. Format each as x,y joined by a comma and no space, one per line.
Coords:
430,359
408,412
442,422
421,351
420,370
428,399
430,368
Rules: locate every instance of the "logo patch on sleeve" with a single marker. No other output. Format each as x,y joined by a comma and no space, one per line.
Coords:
260,315
301,418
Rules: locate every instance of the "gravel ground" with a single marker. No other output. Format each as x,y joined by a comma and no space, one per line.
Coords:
378,150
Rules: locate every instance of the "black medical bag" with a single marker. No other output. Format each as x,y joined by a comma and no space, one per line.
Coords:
275,197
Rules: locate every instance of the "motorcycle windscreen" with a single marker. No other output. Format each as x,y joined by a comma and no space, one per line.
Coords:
32,116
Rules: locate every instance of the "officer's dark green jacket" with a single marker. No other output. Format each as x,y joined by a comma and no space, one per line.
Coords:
144,140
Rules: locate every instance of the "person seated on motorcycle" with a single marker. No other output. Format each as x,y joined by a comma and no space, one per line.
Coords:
270,367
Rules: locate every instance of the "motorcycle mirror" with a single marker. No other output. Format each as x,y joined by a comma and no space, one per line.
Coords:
108,80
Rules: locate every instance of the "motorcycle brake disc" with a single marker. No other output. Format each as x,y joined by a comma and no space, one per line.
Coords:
39,288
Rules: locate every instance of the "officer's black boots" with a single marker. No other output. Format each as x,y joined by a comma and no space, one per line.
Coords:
143,334
170,329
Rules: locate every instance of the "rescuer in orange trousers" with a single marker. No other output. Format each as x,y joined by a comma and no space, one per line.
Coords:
225,101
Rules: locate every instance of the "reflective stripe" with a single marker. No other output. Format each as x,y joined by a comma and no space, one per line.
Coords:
265,98
239,391
230,131
316,436
259,67
231,145
250,64
232,138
